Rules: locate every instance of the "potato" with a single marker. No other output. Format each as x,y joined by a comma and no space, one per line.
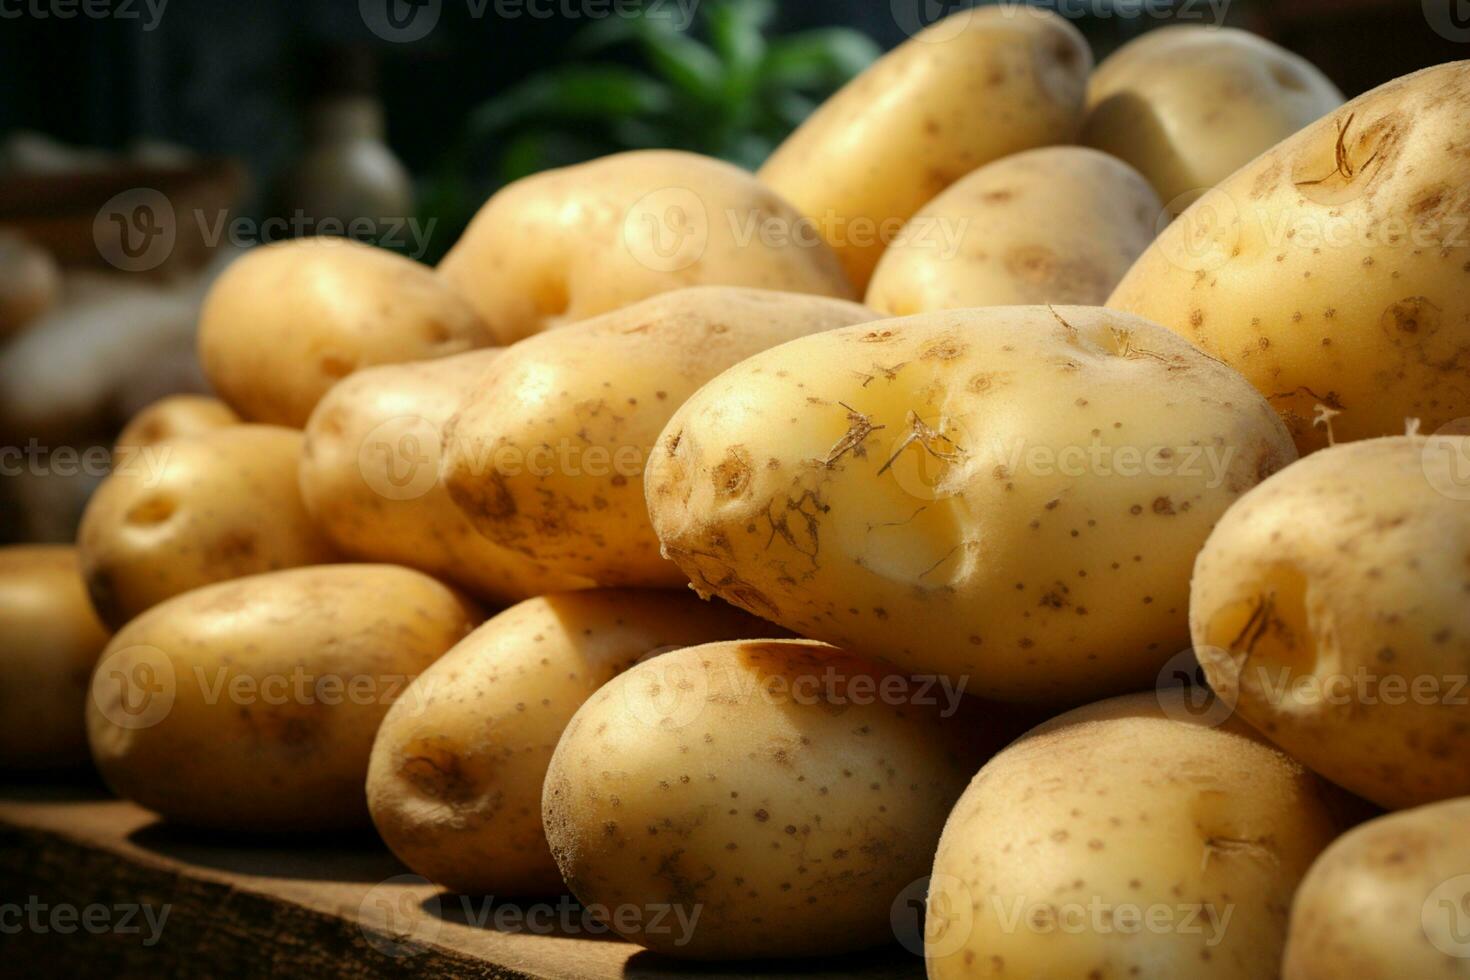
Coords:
251,705
454,784
1331,271
287,321
754,799
1329,607
52,639
975,87
546,454
192,511
370,479
172,417
569,244
1128,838
1189,105
1387,900
1056,225
1013,495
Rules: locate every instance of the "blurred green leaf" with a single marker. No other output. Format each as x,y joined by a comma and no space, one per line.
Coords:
573,92
686,63
824,58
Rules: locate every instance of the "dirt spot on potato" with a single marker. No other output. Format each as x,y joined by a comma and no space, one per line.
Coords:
732,475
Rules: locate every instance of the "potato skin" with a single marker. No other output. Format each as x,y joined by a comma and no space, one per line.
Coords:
1371,902
546,454
1189,105
193,511
269,690
172,417
1013,495
1335,280
1055,225
568,244
1082,829
287,321
51,641
454,784
980,85
1329,606
749,784
369,479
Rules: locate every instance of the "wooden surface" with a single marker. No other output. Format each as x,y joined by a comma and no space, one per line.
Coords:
318,907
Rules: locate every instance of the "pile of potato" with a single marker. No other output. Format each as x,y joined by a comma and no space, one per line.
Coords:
1053,451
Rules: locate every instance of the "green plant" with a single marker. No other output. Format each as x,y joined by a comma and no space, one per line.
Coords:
726,90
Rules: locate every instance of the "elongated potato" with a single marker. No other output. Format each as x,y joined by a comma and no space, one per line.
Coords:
172,417
1329,605
973,88
546,455
569,244
1387,900
1127,839
1055,225
251,705
455,779
1332,270
1014,494
192,511
755,799
370,479
51,639
287,321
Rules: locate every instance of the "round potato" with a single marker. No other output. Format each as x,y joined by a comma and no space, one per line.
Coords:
1014,495
193,511
1387,900
756,799
975,87
1055,225
173,417
1332,270
454,784
546,455
52,639
569,244
370,479
287,321
251,705
1127,839
1329,605
1189,105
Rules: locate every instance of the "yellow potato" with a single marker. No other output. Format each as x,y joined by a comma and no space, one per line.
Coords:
1014,495
1329,606
569,244
1387,900
370,479
251,705
975,87
51,641
1127,839
1055,225
1189,105
454,784
172,417
287,321
756,799
546,455
1331,271
192,511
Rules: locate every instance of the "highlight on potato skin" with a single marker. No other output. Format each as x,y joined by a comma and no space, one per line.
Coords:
1329,607
1014,495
